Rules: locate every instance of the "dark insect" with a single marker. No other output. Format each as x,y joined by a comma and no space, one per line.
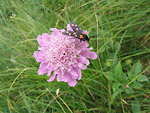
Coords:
78,33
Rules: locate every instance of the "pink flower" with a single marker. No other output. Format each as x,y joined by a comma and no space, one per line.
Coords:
64,55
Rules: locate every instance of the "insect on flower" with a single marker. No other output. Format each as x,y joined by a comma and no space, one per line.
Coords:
61,57
78,33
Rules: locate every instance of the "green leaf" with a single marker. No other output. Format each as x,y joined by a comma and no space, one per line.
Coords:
135,70
118,73
137,67
115,86
129,91
142,78
138,85
131,74
109,75
136,107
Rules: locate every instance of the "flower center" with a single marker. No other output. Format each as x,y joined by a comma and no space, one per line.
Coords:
61,53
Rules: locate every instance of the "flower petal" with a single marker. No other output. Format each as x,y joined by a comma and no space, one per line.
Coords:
88,54
80,65
82,60
42,70
74,74
38,56
49,72
54,30
72,82
79,73
69,28
62,76
40,40
86,32
52,78
46,37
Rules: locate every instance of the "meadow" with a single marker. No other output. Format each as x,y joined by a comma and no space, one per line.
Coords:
116,82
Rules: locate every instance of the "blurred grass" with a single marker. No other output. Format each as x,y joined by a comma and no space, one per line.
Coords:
123,28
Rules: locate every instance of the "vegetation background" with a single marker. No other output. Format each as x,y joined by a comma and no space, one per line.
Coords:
118,81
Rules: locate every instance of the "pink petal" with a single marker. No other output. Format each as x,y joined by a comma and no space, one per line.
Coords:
85,44
72,82
40,40
80,74
49,72
54,30
60,78
63,77
38,56
92,55
91,48
42,69
69,28
82,60
80,65
52,78
46,37
78,70
81,44
88,54
74,74
62,30
86,32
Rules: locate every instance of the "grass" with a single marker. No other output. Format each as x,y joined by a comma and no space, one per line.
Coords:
122,45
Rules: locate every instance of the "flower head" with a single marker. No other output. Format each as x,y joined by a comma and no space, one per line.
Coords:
64,55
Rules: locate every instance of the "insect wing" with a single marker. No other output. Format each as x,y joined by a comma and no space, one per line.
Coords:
71,33
76,28
78,33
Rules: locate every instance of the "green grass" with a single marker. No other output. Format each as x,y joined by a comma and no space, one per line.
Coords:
122,44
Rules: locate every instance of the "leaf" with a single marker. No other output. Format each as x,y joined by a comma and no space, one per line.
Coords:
135,70
142,78
136,107
118,73
131,74
109,75
115,86
118,69
129,91
137,67
138,85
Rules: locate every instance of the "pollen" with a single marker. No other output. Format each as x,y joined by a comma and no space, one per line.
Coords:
75,35
77,29
72,24
69,33
76,25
